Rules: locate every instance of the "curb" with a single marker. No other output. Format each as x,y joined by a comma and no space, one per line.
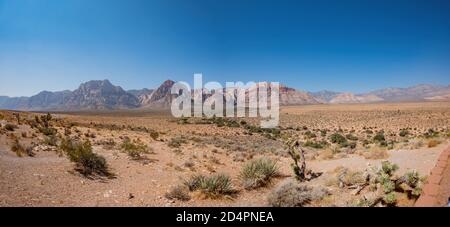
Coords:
432,187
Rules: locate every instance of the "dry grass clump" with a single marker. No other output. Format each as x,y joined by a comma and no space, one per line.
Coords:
51,140
346,177
107,143
10,127
258,173
20,150
211,186
433,143
375,153
291,193
176,142
178,192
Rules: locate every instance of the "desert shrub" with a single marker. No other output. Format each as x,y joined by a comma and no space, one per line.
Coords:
351,177
51,140
386,185
310,134
368,131
232,123
430,133
194,182
212,186
388,168
20,150
176,142
178,192
293,194
351,137
10,127
48,131
390,199
107,143
87,162
257,173
433,143
135,149
189,164
375,153
379,137
90,134
154,135
403,132
339,139
317,145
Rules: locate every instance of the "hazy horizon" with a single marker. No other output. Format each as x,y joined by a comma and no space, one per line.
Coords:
346,46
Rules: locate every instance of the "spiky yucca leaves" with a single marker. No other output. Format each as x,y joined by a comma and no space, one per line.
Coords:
257,173
212,186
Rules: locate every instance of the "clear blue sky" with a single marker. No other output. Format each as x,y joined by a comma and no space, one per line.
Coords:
340,45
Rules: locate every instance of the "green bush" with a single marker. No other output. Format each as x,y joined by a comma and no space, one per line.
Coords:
431,133
176,142
51,140
258,172
317,145
403,132
379,137
310,134
48,131
338,138
87,162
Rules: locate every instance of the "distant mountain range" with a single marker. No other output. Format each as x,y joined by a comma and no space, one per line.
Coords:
102,95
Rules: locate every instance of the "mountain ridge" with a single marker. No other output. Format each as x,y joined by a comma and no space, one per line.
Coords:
103,95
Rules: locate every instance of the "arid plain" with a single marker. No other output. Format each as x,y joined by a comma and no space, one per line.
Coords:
148,158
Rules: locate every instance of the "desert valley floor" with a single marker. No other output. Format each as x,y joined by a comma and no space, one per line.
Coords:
152,156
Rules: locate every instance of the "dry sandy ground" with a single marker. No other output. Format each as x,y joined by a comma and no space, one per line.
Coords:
49,180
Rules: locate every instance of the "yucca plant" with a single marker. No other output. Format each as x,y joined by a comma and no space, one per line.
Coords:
258,173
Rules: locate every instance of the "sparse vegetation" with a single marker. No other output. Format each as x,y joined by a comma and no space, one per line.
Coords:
51,140
387,185
176,142
10,127
257,173
211,186
318,145
87,162
21,150
293,194
339,139
154,135
433,143
178,192
375,153
403,132
379,137
135,149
